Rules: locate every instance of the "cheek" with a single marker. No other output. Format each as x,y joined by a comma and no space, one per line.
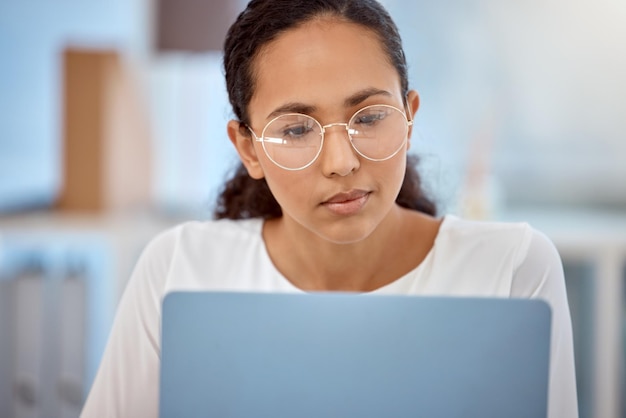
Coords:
290,188
391,174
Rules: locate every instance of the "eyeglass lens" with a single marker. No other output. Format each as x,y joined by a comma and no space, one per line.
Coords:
294,141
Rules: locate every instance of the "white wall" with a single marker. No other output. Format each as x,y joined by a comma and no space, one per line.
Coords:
542,81
32,36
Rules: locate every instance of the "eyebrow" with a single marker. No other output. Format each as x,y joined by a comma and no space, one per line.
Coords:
293,107
363,95
355,99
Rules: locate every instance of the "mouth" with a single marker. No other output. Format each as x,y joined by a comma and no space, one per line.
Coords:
347,203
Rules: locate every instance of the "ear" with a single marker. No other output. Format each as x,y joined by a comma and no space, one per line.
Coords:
243,141
413,103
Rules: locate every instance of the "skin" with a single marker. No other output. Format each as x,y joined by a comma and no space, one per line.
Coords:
329,69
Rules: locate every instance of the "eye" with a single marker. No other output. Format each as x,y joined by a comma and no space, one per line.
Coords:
291,128
296,131
370,117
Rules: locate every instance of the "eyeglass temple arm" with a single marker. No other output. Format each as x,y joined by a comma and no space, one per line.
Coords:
409,112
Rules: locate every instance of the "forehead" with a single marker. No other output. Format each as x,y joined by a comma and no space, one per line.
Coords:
320,63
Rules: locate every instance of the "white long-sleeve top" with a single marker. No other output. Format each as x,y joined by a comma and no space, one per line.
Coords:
468,258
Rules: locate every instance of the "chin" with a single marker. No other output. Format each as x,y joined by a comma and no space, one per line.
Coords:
346,232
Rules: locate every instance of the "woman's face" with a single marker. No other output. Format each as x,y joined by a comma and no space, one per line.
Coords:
327,69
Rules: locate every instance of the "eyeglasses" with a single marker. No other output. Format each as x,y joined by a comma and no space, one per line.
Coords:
293,141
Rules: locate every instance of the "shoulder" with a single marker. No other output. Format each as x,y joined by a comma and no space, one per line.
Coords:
496,238
177,252
480,257
217,234
540,271
518,250
519,241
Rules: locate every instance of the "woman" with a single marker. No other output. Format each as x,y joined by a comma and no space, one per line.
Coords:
324,199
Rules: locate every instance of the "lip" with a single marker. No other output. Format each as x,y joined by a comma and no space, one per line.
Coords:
347,203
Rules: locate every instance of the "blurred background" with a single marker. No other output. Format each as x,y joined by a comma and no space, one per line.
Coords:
112,128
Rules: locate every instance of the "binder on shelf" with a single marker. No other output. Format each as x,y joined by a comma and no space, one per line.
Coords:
106,153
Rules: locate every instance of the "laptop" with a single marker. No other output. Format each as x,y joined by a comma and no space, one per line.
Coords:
352,355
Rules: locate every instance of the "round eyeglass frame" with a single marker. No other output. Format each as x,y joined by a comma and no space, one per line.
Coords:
408,121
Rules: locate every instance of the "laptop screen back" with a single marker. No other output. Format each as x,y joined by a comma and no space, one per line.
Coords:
350,355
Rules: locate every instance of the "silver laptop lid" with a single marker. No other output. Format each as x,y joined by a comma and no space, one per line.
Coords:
352,355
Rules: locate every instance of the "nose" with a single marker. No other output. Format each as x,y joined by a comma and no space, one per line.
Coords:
338,158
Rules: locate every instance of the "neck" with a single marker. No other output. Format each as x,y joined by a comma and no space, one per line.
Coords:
314,263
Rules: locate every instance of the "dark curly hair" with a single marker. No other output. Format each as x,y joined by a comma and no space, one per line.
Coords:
260,23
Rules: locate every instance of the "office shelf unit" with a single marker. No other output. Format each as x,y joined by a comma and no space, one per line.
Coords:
60,279
592,244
